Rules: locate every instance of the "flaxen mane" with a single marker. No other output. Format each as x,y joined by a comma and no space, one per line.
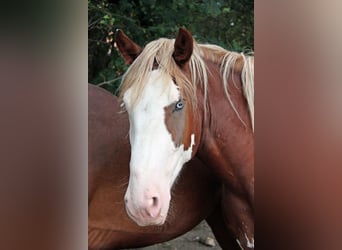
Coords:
161,50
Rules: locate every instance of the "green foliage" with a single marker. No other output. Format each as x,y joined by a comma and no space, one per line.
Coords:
226,23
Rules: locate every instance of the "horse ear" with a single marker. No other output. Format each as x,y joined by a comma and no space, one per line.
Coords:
127,48
183,47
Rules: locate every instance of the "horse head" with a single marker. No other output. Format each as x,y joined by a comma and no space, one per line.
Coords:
160,99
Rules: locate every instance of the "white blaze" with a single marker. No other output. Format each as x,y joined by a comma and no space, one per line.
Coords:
155,160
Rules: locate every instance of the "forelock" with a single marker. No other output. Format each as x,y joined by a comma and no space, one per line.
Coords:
137,75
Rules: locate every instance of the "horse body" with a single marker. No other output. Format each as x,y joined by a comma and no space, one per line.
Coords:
201,99
229,149
195,197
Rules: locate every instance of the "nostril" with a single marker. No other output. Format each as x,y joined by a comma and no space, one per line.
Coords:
153,208
155,201
126,200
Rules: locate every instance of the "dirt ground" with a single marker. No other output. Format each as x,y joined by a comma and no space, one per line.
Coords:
192,240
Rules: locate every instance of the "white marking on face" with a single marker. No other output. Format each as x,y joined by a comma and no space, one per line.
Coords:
155,160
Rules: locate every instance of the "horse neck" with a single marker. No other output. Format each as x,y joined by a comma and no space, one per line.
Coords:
227,144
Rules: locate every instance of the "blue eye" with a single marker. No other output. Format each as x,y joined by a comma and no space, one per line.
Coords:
179,105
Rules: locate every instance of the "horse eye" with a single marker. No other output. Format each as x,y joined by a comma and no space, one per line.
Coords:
179,105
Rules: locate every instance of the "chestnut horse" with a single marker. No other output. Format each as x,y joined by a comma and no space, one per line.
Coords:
195,197
183,100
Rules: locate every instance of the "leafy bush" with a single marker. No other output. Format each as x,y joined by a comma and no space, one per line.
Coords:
226,23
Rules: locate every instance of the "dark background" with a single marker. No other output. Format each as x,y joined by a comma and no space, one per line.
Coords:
228,23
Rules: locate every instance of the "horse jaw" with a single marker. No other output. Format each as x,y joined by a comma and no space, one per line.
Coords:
155,159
